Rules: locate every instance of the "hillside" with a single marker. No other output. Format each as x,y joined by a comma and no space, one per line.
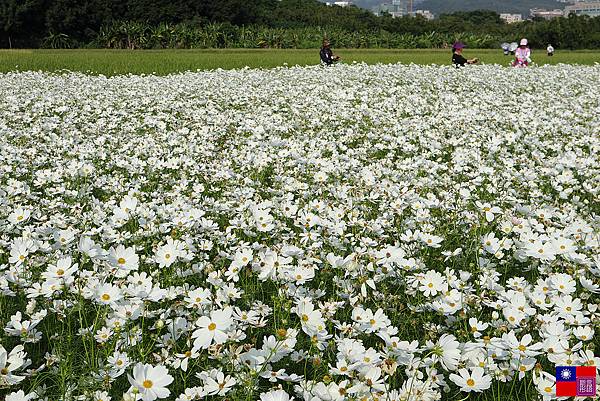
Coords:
447,6
506,6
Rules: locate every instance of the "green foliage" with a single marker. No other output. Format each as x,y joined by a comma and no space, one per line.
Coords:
17,17
158,24
134,35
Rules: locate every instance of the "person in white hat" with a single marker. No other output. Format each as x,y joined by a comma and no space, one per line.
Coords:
522,54
550,50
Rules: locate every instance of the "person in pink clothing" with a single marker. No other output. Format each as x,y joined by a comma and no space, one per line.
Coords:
522,54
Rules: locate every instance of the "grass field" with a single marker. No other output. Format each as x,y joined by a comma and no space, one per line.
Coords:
113,62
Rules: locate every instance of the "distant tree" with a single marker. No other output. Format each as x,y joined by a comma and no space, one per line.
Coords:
238,12
80,19
21,19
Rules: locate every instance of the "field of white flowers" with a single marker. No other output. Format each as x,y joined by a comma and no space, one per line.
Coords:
359,232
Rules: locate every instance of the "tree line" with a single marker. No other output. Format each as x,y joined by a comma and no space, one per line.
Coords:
264,23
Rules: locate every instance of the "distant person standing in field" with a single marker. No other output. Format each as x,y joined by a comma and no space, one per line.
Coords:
550,50
327,56
458,59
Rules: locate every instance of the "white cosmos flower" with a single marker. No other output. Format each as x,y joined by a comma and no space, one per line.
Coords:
20,396
20,249
19,216
219,385
310,318
488,210
108,294
476,380
213,329
276,395
546,387
432,283
167,254
447,351
150,381
123,259
431,240
10,362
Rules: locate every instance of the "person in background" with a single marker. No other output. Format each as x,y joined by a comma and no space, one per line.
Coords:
550,50
458,59
522,54
327,56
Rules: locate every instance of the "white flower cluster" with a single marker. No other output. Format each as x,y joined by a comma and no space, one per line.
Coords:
358,232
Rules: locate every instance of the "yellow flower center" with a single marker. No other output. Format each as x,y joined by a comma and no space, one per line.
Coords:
167,256
105,297
522,348
147,384
305,318
470,382
60,272
548,389
430,285
121,261
212,326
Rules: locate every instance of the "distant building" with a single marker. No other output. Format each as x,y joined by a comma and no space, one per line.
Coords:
424,13
511,18
397,8
545,14
584,8
339,3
